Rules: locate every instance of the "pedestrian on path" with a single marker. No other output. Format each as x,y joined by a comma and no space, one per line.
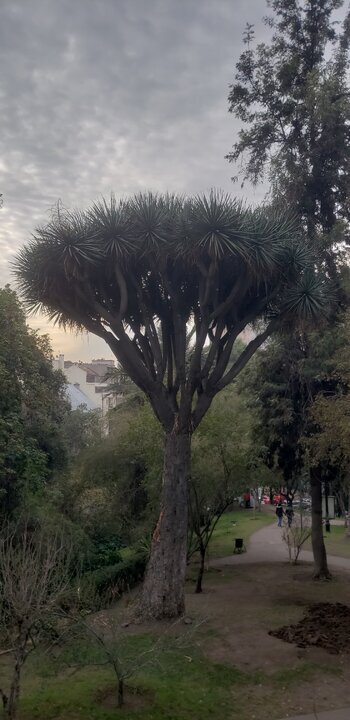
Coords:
279,513
246,498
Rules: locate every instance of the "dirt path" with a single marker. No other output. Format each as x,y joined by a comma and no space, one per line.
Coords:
266,545
267,596
329,715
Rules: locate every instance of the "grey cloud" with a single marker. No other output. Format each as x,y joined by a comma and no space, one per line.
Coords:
123,95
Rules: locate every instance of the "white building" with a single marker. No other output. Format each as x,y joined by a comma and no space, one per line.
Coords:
90,382
77,398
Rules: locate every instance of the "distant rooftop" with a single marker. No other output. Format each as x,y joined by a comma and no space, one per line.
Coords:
77,398
98,366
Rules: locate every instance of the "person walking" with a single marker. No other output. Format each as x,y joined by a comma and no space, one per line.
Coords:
246,498
279,513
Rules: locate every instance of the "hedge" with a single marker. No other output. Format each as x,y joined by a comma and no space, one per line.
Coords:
112,581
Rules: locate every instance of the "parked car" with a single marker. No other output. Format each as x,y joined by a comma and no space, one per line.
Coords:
305,503
280,498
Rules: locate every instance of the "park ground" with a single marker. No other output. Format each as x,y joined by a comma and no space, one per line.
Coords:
229,667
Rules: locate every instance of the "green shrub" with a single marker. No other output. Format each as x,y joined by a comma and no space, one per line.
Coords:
103,553
112,581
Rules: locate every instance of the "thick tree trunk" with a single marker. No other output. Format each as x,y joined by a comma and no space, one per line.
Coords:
200,570
321,571
163,593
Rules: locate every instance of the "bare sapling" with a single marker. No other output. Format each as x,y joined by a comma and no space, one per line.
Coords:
114,644
34,575
203,521
296,535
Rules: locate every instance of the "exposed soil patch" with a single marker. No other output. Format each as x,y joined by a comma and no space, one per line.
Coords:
241,605
325,625
134,698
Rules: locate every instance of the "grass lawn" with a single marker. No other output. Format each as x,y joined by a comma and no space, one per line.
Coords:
240,524
337,543
229,667
226,665
182,687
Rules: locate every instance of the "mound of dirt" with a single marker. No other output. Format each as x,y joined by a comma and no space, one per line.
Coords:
325,625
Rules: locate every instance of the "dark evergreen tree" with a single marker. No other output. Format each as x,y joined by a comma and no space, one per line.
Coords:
293,98
281,386
32,408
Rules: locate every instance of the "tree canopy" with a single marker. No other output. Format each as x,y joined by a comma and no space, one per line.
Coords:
169,283
139,273
281,387
292,96
291,386
32,407
329,442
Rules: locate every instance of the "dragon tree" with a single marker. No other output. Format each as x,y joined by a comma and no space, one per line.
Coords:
170,283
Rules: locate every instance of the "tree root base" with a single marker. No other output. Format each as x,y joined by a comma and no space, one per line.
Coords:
144,612
322,576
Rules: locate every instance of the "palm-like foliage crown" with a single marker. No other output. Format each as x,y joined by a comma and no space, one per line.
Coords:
143,273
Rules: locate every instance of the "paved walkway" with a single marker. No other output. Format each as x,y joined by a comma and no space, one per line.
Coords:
266,545
328,715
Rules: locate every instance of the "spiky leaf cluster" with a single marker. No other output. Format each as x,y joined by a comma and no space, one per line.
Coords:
145,273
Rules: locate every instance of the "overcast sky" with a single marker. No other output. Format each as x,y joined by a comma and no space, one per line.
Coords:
112,95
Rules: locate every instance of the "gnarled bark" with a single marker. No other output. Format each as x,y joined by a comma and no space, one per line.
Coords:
321,571
163,593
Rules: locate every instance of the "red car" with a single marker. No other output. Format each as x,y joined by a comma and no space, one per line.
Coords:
279,499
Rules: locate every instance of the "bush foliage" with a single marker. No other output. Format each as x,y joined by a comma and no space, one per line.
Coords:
111,581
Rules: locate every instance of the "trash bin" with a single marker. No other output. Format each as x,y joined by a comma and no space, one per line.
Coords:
239,545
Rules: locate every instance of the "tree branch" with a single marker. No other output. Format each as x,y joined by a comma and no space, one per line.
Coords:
231,338
194,372
145,348
226,305
123,293
216,341
158,359
246,355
